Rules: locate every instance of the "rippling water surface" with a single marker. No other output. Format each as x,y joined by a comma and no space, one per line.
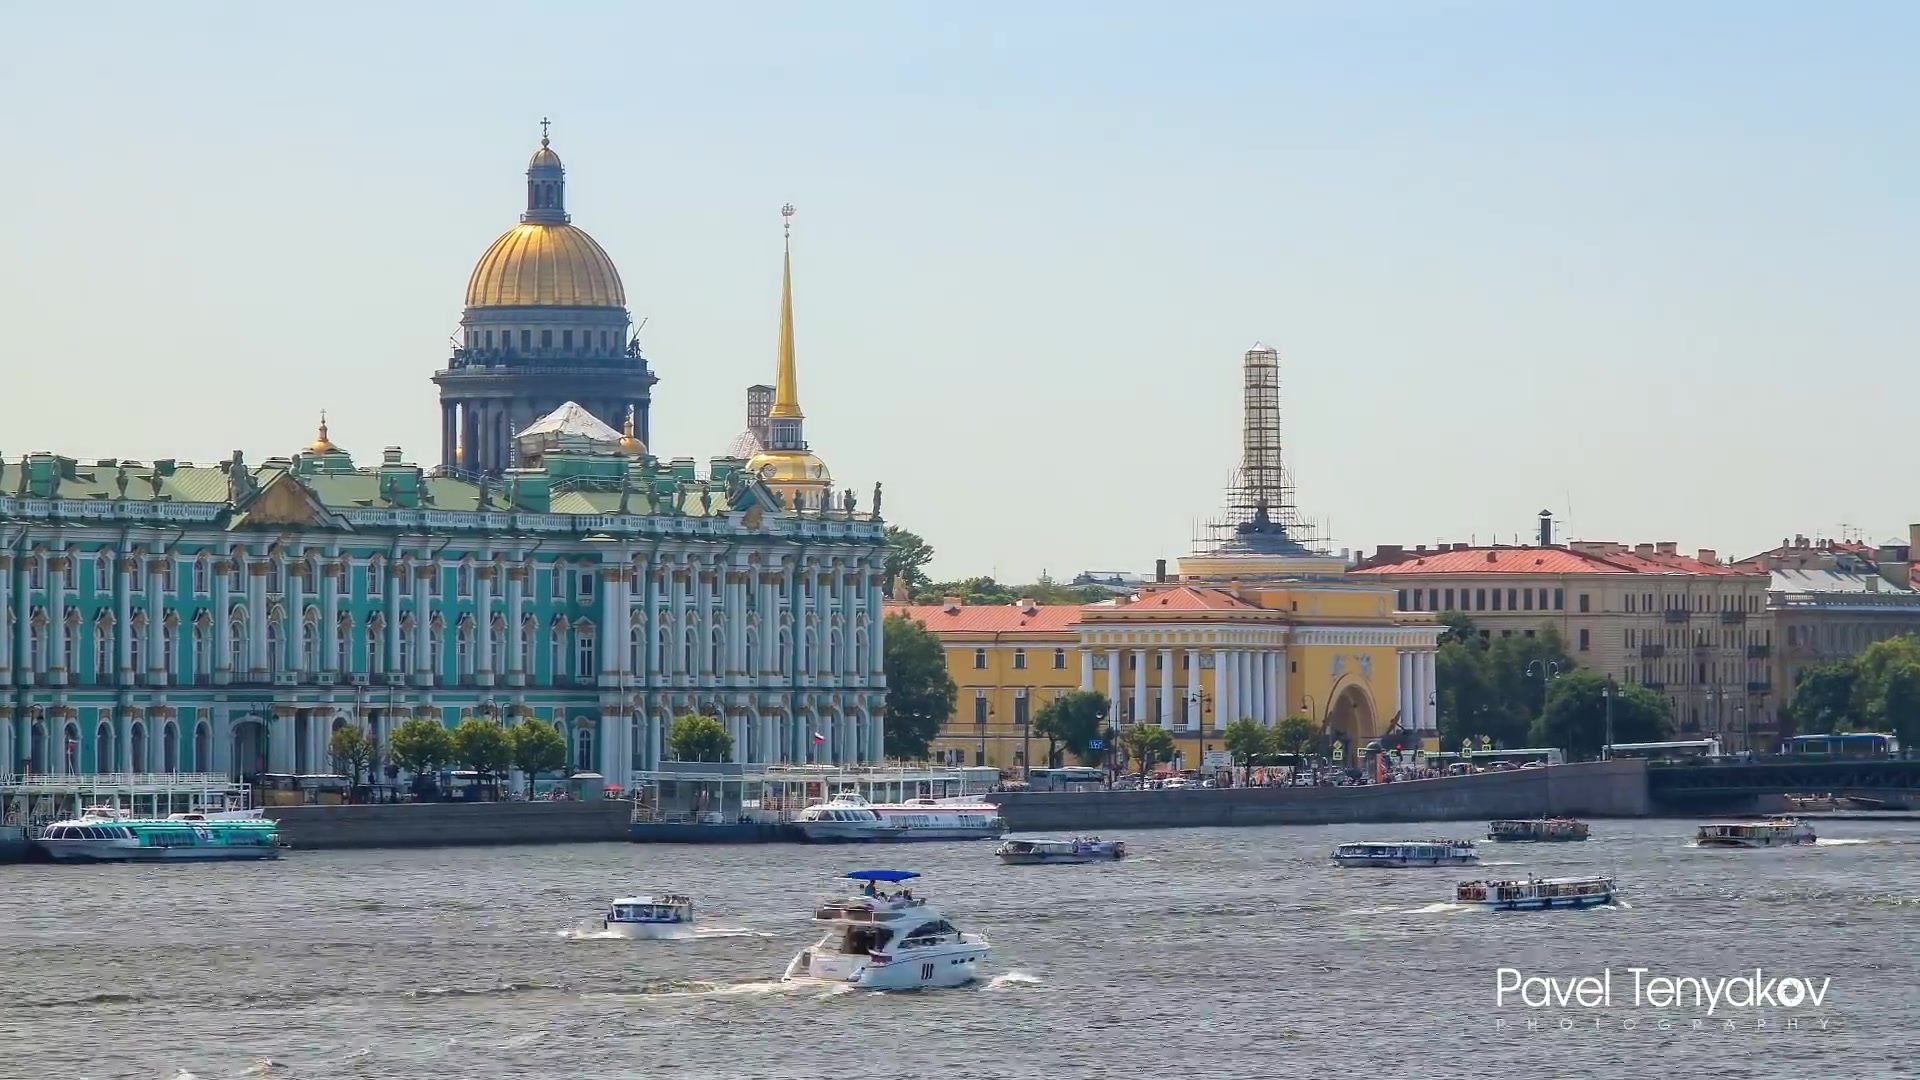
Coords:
1211,953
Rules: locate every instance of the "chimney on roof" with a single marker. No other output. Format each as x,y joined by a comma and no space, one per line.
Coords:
1645,551
1160,570
1546,528
1493,556
1420,549
950,605
1709,556
1027,606
1389,552
1668,547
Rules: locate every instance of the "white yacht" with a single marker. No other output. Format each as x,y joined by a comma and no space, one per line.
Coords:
1537,894
878,941
1772,832
1407,853
849,818
1080,849
665,916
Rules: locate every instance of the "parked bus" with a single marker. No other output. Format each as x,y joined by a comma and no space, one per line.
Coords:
1858,744
1071,778
1684,750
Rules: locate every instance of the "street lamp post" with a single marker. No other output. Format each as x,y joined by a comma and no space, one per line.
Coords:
1197,714
1607,695
1549,671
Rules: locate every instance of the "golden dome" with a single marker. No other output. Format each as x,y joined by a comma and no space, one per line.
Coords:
629,443
321,444
788,467
544,158
545,265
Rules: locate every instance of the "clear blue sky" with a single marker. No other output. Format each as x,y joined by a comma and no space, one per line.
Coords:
1653,262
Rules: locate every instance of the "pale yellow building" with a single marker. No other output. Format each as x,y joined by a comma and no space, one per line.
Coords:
1693,628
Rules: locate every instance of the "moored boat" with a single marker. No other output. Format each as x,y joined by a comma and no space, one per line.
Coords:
1537,830
107,835
1080,849
849,818
878,941
1768,832
670,915
1406,853
1537,894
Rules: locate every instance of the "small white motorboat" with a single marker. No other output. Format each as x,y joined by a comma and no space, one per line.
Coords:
1407,853
1537,894
878,941
1080,849
650,916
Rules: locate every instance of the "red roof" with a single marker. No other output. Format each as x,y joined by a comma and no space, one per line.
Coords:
989,618
1612,559
1183,598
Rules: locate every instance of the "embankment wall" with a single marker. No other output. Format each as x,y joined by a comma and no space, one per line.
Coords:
459,824
1590,789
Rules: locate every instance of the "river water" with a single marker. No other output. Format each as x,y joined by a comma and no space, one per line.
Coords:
1210,953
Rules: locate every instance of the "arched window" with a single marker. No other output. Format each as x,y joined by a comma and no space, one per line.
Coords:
169,749
103,647
275,584
202,656
102,573
275,662
343,643
719,651
376,645
583,656
200,576
637,647
237,643
497,644
139,641
406,641
310,641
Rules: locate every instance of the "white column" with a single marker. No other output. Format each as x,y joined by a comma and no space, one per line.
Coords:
222,634
1113,686
676,636
483,623
1222,689
397,584
1269,708
156,621
516,588
294,641
1404,688
1192,704
1168,718
6,647
1086,668
612,584
123,616
56,659
1257,682
876,620
330,617
823,621
1247,703
257,660
1140,666
422,659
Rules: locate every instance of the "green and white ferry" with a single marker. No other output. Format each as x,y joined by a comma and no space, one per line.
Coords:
106,834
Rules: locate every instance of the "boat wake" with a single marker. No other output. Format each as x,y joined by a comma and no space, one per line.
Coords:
705,932
700,933
583,934
1850,841
1491,862
1011,979
1434,909
694,988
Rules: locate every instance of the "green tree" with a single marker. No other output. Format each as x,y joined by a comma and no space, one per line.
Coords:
483,746
700,738
1494,688
420,746
1885,694
1072,720
1245,738
1823,701
920,693
1146,744
352,752
907,557
1576,716
1295,735
537,748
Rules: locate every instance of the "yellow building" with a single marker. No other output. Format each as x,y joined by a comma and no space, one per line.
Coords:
1191,658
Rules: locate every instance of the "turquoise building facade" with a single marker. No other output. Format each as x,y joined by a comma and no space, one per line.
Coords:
168,617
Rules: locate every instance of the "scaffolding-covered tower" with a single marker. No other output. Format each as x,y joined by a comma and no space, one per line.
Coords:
759,404
1262,515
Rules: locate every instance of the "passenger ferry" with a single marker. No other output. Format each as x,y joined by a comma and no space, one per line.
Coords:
1402,853
878,941
1771,832
849,818
1080,849
665,916
1537,830
103,834
1537,894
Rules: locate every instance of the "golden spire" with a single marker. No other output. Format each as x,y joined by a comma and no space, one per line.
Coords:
629,443
321,444
786,385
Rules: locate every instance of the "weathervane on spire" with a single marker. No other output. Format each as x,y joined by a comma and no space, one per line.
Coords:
786,223
543,130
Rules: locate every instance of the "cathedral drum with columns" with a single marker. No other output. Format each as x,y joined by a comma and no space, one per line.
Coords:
165,617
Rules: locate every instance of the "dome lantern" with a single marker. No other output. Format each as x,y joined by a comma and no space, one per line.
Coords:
546,185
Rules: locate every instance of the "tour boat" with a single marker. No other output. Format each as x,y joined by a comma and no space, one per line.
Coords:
1080,849
1538,830
105,834
878,941
1407,853
1537,894
1771,832
849,818
670,915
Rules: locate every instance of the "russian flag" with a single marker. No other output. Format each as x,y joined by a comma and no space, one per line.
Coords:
818,738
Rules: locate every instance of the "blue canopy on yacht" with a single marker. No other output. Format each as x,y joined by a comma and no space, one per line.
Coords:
881,875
